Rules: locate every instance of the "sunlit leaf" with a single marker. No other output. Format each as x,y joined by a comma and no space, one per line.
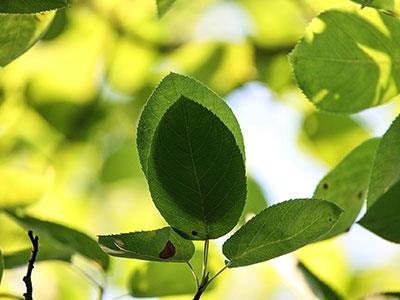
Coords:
169,91
348,60
20,32
31,6
390,6
163,245
163,6
255,200
63,236
320,131
385,171
320,289
196,172
383,218
48,252
280,229
347,184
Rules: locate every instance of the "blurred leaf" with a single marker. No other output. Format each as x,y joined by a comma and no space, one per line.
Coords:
20,32
255,200
64,237
163,6
384,296
196,172
366,59
163,245
1,266
20,187
31,6
320,289
320,131
385,171
383,218
159,280
280,229
47,252
171,89
57,26
346,185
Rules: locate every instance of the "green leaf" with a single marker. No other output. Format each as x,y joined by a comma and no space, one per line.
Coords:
386,5
20,32
31,6
320,289
386,169
1,266
280,229
255,200
196,173
64,237
171,89
347,184
383,217
320,131
349,60
48,252
163,6
163,245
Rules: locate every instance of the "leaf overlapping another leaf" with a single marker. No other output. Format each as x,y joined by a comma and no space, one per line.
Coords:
280,229
163,245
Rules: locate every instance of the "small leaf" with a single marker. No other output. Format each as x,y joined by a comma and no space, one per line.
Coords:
1,266
64,237
320,289
31,6
48,252
386,168
20,32
280,229
171,89
196,173
163,6
383,217
355,45
163,245
255,200
347,184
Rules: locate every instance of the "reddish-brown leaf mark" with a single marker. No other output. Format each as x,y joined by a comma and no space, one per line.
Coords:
168,251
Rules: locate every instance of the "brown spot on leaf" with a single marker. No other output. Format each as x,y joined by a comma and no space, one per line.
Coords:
360,195
168,251
325,186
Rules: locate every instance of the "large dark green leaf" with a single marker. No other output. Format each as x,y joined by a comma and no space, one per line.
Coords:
347,184
349,60
163,245
196,173
31,6
383,217
386,169
171,89
48,252
163,6
280,229
19,33
63,236
320,289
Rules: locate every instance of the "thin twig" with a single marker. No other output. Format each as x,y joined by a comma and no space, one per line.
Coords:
219,272
28,277
194,274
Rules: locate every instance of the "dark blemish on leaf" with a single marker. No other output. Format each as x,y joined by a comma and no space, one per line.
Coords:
360,195
330,220
194,232
168,251
325,186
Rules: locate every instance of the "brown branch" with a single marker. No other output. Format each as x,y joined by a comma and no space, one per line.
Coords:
28,277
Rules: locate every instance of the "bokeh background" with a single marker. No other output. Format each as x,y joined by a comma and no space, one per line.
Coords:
69,108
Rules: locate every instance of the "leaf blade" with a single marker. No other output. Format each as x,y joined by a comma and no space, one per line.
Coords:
31,6
280,229
162,245
163,6
196,172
